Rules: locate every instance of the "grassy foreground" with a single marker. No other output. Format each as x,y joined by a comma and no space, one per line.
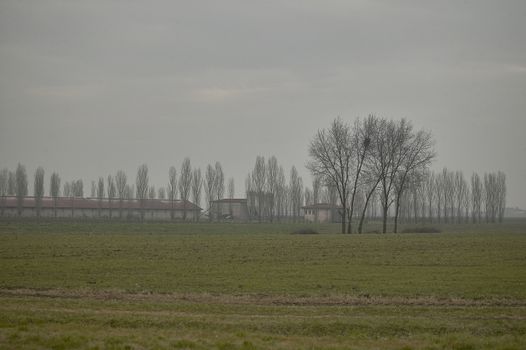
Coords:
256,287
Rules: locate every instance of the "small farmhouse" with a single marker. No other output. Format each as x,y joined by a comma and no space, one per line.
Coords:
321,212
229,209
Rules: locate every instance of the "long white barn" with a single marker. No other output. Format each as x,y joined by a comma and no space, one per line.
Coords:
75,207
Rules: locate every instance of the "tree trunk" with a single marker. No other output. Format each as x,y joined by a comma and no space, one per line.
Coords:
384,220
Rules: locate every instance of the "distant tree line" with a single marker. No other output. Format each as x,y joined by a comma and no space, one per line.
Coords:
374,168
269,196
449,197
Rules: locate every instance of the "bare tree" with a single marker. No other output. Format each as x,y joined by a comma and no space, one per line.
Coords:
296,192
100,193
375,164
121,185
93,189
501,197
11,184
77,187
141,184
362,133
197,185
231,192
430,193
21,186
172,189
316,187
219,186
251,199
476,198
272,185
151,192
308,196
331,157
416,153
259,181
111,192
161,193
54,190
185,183
67,189
281,185
38,189
210,183
461,189
4,177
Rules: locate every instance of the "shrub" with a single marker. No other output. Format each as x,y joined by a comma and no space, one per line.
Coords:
305,231
421,230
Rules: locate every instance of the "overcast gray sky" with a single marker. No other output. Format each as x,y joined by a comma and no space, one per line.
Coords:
90,87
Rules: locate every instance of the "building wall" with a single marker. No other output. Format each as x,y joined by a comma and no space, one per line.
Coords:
149,214
317,215
238,210
323,215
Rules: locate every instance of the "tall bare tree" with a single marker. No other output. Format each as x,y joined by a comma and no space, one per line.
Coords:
67,190
259,180
501,198
219,186
231,192
210,183
77,187
151,192
362,133
111,192
281,184
21,186
11,184
185,183
316,189
197,186
430,193
296,192
54,190
38,189
476,198
172,189
93,189
416,153
272,185
121,184
141,185
331,157
100,193
308,196
251,199
4,177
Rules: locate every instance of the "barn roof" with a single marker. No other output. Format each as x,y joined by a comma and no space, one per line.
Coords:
321,206
230,200
95,203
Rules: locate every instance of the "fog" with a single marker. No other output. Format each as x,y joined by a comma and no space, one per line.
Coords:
91,87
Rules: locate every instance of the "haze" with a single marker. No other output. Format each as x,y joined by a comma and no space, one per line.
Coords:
91,87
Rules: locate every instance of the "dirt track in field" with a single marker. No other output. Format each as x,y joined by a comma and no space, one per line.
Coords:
257,299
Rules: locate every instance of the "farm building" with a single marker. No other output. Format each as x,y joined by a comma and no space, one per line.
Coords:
230,209
321,212
68,207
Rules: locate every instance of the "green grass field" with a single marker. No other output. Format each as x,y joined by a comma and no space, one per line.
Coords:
251,286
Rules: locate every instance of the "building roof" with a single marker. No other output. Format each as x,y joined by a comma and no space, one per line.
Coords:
230,200
95,203
321,206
